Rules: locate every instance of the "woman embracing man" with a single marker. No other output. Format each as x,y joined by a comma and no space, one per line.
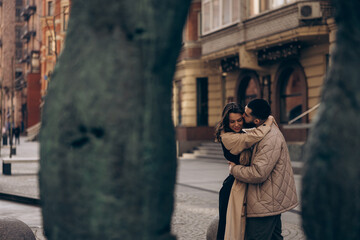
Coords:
260,185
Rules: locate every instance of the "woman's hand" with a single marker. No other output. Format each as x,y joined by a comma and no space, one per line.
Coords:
270,120
231,164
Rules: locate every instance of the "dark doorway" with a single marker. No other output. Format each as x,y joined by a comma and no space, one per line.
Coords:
202,101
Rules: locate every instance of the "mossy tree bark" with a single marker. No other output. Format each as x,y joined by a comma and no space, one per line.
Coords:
331,183
108,158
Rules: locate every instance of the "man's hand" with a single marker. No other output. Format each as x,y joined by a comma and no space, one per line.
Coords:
231,164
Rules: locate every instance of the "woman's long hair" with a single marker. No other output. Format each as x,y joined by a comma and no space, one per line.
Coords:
223,125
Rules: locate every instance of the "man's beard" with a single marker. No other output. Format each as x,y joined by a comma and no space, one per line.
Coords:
249,125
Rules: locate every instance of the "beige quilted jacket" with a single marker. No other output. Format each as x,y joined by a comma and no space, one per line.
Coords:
272,187
236,143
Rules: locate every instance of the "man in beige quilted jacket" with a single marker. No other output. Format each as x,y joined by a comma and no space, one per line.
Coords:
271,189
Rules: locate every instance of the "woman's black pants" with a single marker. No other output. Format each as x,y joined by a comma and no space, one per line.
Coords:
224,195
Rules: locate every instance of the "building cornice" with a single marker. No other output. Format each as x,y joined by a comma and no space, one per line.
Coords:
297,34
188,63
221,54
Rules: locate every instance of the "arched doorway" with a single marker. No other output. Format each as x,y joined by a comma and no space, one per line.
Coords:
291,100
248,87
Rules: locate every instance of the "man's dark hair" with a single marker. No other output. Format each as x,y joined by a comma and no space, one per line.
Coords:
260,108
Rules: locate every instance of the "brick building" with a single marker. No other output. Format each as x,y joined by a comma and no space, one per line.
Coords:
31,37
44,35
53,27
11,73
237,50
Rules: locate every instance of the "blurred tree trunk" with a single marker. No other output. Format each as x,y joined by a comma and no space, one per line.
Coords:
108,158
331,184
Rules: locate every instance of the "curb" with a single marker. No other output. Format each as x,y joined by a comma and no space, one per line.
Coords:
20,199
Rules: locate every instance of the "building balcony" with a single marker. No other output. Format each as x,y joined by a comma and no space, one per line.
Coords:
25,14
1,3
25,58
31,8
28,11
27,34
20,83
299,20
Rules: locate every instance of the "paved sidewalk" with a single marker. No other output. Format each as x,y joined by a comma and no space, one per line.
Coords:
198,183
23,183
196,196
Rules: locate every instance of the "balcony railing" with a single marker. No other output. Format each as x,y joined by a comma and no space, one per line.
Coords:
27,34
20,83
31,8
28,11
25,58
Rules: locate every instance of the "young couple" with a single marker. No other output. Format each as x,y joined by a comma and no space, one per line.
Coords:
261,184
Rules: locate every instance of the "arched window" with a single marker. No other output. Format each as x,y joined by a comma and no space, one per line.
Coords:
248,87
291,95
291,99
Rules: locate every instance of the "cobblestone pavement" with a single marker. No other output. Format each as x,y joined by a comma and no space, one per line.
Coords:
193,215
31,215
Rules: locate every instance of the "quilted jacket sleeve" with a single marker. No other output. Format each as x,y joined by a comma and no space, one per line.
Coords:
263,162
236,143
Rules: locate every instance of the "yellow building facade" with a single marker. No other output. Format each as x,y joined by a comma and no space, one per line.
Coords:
278,50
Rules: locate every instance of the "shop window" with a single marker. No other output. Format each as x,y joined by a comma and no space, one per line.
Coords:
218,14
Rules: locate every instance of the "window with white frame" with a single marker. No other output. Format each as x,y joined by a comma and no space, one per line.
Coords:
218,14
65,16
50,8
258,6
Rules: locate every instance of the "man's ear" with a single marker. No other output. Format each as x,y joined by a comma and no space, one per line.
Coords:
257,121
